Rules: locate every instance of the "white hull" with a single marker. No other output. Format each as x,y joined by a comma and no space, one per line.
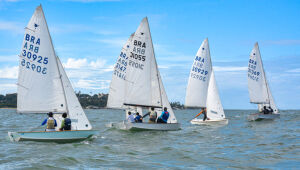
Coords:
52,136
147,126
261,116
200,121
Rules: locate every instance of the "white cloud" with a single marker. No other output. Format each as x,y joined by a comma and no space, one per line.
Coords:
76,63
8,88
9,58
11,26
117,42
229,69
9,72
296,70
92,84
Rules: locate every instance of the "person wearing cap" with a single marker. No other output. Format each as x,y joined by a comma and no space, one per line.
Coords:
138,118
50,121
152,115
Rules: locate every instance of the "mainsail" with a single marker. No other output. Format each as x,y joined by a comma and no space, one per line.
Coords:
39,86
43,85
257,85
197,88
117,86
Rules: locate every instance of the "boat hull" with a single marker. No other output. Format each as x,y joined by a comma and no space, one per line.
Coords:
261,116
200,121
52,136
147,126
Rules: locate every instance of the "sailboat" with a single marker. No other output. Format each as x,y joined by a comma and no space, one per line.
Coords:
43,86
136,82
202,91
258,87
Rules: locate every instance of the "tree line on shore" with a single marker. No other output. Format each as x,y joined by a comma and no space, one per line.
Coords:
87,101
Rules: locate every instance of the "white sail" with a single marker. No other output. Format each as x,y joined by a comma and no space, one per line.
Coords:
117,86
165,103
196,92
39,86
257,85
272,102
75,111
214,106
140,89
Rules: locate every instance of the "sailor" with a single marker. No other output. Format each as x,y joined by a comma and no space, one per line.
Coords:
271,110
138,118
164,116
51,122
205,115
130,118
65,123
152,115
266,111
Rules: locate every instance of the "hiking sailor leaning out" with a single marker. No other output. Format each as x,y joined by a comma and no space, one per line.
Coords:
51,122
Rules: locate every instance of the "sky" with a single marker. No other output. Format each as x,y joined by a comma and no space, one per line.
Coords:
88,36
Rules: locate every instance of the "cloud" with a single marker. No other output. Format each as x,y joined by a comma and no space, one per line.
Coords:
9,58
83,62
230,69
11,26
117,42
9,72
8,88
75,63
296,70
92,84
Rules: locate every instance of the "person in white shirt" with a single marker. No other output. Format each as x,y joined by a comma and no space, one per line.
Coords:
130,118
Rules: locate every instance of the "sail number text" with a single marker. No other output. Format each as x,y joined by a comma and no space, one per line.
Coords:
252,73
198,72
30,57
120,67
138,54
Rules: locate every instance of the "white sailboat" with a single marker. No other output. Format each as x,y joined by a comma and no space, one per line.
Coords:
202,91
43,86
136,82
258,87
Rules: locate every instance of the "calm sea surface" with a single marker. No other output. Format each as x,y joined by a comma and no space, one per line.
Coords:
238,145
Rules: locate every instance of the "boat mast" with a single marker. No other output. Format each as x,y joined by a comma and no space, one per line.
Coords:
56,58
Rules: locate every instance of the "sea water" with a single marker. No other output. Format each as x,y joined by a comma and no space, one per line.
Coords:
238,145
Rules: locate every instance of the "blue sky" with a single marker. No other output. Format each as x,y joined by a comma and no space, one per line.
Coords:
88,36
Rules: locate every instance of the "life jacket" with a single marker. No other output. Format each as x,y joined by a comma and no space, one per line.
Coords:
51,123
153,114
67,124
165,116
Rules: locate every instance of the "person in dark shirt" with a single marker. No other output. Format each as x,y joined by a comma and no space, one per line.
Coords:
163,118
66,122
266,111
138,118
